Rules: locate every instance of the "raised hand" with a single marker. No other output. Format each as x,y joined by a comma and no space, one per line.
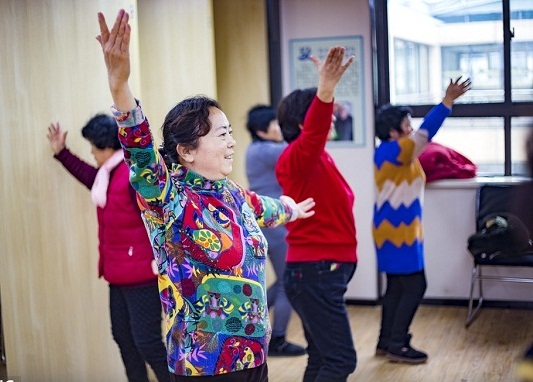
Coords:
56,137
330,72
456,89
116,48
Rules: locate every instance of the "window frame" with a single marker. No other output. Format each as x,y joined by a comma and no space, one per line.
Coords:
506,109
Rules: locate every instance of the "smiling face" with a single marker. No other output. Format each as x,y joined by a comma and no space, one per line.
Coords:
213,158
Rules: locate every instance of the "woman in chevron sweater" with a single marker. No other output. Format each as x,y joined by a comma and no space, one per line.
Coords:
397,226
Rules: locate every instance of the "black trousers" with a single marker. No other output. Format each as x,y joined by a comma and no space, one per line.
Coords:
400,303
136,328
316,291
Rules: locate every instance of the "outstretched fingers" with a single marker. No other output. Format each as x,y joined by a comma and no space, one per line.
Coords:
466,84
462,87
457,88
304,208
120,32
104,31
452,82
457,82
334,61
334,57
126,39
119,37
56,137
348,62
53,128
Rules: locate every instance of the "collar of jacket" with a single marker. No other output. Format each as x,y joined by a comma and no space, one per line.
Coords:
195,180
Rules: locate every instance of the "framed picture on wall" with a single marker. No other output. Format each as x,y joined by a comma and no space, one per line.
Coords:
348,108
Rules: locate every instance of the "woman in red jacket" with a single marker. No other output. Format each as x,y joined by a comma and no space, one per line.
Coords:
126,255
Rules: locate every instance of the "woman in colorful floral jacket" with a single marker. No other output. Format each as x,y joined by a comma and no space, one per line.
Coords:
203,227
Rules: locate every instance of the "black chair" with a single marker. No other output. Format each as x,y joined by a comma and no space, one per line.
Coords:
516,199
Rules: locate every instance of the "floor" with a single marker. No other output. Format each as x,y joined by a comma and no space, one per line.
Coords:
487,351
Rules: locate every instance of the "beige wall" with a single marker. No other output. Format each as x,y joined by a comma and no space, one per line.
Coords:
242,67
55,310
177,54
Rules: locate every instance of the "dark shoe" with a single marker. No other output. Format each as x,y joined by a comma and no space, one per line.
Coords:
278,347
406,354
381,349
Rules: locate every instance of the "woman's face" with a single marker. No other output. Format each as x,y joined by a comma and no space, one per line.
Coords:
273,132
406,126
101,155
405,129
213,158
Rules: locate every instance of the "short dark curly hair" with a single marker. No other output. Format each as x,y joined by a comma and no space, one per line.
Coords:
390,117
292,110
258,119
184,124
102,131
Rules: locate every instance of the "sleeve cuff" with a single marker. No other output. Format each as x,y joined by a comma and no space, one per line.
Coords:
62,154
287,200
128,118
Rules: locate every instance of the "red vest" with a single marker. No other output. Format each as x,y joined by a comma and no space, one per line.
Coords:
125,251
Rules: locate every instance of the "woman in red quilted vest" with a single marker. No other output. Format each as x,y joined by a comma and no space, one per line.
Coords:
126,256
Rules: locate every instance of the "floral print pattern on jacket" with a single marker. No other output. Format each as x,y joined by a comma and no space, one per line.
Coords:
211,257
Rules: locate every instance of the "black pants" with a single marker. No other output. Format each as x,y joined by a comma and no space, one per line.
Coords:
316,291
136,328
257,374
402,298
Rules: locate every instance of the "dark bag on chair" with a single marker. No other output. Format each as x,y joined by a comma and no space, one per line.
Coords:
502,235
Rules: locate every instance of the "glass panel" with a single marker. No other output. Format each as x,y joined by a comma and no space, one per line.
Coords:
479,139
443,39
522,50
520,128
411,69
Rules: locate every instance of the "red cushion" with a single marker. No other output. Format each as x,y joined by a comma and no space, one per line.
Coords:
441,162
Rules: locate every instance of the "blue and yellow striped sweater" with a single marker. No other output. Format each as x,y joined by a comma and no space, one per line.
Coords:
400,181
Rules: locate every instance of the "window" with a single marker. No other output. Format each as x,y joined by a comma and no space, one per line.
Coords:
411,74
421,44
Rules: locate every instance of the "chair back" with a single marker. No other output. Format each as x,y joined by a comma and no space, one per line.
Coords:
492,199
500,230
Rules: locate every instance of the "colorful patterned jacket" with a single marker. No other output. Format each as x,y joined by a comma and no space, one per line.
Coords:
211,257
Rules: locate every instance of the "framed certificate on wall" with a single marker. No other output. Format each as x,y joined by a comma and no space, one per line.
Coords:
349,100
